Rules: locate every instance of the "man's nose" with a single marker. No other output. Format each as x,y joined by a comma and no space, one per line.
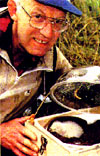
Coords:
47,30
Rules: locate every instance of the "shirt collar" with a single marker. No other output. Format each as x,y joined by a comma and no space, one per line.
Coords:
45,63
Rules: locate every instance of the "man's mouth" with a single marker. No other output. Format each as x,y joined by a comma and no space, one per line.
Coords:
40,41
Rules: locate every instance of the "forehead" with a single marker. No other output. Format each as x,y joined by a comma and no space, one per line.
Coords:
33,4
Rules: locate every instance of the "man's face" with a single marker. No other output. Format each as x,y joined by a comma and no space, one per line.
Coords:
35,41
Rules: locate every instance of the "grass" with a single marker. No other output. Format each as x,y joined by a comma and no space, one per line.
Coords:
81,42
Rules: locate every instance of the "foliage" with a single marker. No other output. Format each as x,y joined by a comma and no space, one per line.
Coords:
81,42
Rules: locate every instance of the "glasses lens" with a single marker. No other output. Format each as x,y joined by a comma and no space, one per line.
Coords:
39,21
60,25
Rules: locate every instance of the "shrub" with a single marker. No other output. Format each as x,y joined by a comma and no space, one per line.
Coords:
81,42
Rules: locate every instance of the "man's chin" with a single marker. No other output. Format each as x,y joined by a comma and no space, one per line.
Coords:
34,51
39,54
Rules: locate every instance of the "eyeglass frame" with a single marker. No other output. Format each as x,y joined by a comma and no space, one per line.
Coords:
52,22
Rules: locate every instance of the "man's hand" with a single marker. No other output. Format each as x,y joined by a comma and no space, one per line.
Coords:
18,138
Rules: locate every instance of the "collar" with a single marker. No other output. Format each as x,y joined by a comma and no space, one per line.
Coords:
45,63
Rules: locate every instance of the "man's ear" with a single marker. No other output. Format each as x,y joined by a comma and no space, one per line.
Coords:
12,9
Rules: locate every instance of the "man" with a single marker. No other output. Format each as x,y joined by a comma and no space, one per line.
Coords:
26,50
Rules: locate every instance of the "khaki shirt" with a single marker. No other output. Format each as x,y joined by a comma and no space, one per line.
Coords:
16,91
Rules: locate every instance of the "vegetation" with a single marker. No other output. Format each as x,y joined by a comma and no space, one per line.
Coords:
81,42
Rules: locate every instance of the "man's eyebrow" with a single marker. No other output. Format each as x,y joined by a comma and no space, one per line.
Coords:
36,9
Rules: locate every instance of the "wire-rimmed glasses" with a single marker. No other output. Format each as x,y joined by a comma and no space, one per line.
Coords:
38,20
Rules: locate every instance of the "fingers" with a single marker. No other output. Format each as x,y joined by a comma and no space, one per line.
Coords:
26,132
23,146
28,143
23,119
7,144
31,145
17,152
25,137
19,138
25,150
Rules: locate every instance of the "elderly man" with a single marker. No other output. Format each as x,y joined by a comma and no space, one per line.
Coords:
27,37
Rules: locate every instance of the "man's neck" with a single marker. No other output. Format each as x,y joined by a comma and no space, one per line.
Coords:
23,61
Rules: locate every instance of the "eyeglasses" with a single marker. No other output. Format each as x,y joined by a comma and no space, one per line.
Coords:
38,20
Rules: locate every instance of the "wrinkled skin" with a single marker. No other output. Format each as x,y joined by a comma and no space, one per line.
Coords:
13,137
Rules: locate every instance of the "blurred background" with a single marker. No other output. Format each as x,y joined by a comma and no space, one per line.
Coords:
81,42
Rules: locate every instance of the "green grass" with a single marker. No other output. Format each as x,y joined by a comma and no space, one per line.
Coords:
81,42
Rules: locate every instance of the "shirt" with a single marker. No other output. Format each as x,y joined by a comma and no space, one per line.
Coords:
16,91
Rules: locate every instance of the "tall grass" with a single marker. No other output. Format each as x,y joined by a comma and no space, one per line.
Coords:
81,42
